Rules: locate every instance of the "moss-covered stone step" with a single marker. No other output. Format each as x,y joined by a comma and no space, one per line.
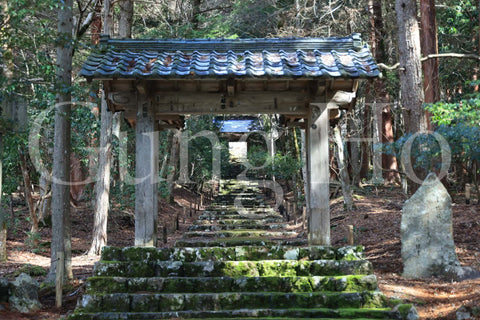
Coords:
239,233
266,268
270,313
238,216
239,226
241,241
160,302
234,222
99,285
231,209
244,197
240,253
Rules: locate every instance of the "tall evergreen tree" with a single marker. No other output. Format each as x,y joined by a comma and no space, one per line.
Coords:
411,70
61,153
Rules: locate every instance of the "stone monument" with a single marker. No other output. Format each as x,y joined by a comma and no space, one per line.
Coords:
427,235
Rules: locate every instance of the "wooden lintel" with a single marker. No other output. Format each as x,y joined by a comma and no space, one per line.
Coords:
242,102
297,124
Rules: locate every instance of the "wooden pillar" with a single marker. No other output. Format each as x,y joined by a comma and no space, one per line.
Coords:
146,172
318,175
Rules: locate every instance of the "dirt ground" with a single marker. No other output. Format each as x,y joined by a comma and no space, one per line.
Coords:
376,222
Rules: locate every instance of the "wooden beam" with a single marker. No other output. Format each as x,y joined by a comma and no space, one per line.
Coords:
297,124
241,103
318,175
146,173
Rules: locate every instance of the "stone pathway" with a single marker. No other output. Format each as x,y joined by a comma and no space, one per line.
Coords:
235,264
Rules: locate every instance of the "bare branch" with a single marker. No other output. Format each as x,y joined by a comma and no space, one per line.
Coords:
470,56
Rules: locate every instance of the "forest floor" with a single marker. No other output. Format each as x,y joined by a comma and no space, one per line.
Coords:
377,227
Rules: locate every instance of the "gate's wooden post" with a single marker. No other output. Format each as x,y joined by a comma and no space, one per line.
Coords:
318,175
146,173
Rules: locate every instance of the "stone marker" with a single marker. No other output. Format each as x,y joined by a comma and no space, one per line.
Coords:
427,235
24,294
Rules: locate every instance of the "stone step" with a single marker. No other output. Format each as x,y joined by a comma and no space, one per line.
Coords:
159,302
297,313
234,222
239,233
264,268
360,283
244,195
240,253
246,225
231,209
231,206
234,242
238,216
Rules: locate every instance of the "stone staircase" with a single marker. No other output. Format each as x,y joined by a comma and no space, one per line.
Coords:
235,265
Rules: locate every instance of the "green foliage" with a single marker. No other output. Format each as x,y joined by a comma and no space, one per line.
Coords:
286,165
425,151
200,149
458,123
257,156
464,111
457,26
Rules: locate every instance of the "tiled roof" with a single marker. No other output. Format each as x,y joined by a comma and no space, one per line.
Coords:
213,58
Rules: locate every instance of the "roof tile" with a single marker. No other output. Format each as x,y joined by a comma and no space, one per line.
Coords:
275,57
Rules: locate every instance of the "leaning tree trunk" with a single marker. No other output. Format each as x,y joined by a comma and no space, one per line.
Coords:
344,177
411,68
61,151
102,187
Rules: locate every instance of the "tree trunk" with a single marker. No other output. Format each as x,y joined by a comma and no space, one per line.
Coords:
45,196
61,152
411,72
388,162
164,166
102,186
3,215
366,134
429,45
96,26
126,19
355,150
343,172
174,154
32,206
429,40
195,13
